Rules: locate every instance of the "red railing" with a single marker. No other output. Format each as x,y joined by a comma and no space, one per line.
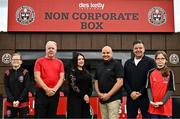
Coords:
62,107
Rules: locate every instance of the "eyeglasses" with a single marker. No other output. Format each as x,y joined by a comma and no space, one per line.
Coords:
160,58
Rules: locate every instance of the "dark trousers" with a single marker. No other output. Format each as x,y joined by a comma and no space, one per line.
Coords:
77,108
154,116
141,103
17,112
45,106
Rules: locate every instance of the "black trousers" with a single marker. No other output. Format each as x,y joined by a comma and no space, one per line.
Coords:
77,108
141,103
17,112
45,106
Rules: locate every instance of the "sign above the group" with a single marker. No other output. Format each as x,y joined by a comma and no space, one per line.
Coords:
90,16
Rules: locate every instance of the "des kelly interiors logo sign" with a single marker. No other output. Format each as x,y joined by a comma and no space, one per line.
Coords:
91,5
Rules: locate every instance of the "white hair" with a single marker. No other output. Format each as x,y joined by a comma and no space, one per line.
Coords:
51,42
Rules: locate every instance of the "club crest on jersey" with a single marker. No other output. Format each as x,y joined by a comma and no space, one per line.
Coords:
25,15
21,79
157,16
154,79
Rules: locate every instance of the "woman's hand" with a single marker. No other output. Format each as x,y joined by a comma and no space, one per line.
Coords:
86,98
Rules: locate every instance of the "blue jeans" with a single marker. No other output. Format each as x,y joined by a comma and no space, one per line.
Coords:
154,116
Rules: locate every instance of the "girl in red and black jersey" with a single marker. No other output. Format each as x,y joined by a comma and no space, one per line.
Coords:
160,87
16,82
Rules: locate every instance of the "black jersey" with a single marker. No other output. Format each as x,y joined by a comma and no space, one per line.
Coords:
107,74
17,85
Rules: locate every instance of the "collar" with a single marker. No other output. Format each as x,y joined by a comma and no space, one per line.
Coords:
108,62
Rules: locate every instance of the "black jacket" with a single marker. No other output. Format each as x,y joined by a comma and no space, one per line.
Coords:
135,77
107,74
80,83
16,84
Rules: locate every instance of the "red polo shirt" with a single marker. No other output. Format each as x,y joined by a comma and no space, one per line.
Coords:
50,70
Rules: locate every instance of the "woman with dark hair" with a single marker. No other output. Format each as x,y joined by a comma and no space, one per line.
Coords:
80,83
160,86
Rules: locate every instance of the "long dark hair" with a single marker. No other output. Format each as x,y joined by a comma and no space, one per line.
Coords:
75,60
165,70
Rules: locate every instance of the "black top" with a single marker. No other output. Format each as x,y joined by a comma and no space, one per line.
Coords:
80,83
135,76
107,74
17,85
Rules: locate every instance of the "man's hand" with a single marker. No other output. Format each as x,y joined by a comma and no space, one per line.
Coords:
50,92
100,95
105,97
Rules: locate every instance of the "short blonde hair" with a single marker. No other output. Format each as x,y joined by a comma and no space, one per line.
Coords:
17,54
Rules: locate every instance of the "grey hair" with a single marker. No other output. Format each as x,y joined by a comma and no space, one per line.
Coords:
17,54
51,42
